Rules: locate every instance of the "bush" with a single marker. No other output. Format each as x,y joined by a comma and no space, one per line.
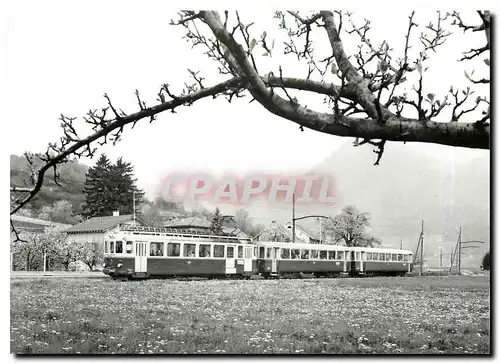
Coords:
486,264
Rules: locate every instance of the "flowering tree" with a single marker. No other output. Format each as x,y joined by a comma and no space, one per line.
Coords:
35,245
372,94
349,227
278,232
90,253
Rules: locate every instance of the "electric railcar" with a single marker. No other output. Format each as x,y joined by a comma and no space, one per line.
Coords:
149,252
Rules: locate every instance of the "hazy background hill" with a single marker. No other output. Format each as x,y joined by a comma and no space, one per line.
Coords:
446,187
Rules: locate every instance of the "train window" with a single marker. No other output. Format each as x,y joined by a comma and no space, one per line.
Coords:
240,252
156,249
295,253
358,256
262,252
400,257
304,254
268,253
219,251
314,254
285,253
394,257
374,256
190,250
368,256
230,252
174,249
106,246
322,254
340,255
128,247
119,247
331,255
204,251
111,246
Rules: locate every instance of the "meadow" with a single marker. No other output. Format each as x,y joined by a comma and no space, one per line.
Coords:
410,315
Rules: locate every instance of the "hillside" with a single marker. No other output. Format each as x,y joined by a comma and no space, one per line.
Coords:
72,179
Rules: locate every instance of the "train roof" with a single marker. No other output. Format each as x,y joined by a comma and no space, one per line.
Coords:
331,247
182,234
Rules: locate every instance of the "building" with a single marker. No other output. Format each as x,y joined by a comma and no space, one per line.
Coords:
302,234
95,229
25,224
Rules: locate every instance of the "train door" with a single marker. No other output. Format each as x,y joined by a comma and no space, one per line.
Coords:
247,258
353,261
141,257
274,260
230,261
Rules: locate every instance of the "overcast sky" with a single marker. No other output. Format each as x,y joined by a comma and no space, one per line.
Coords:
62,59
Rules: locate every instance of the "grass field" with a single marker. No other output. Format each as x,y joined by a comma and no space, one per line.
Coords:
311,316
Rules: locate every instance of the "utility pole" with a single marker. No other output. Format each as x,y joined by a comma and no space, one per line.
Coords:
401,244
293,218
133,197
440,258
320,230
451,259
459,249
422,250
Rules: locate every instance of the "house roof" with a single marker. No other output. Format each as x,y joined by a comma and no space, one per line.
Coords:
100,224
309,232
30,223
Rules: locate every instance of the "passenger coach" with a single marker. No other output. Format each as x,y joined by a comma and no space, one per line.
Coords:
143,252
148,252
288,259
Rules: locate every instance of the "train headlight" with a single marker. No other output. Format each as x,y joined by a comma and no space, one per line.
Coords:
119,265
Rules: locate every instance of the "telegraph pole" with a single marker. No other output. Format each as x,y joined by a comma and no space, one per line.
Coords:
440,258
133,197
459,249
320,230
422,250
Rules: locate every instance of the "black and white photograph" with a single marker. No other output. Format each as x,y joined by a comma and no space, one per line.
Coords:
260,182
